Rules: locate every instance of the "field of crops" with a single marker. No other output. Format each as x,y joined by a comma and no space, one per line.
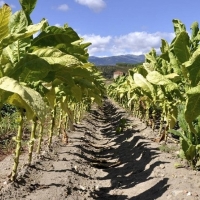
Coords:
55,116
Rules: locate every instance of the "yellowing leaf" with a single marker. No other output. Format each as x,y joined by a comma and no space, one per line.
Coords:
23,97
5,14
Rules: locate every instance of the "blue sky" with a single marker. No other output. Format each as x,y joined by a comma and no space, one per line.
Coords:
117,27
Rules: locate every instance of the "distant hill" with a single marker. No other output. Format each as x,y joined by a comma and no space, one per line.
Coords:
112,60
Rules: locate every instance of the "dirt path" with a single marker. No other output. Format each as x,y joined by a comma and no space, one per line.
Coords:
99,163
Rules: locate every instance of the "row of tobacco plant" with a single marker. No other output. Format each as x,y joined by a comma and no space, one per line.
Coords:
169,85
39,74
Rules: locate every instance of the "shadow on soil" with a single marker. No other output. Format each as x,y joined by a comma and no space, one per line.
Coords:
132,153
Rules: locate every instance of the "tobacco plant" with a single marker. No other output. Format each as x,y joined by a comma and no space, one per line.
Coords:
47,70
164,83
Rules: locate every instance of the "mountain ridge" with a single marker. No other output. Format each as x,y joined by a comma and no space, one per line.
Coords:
113,60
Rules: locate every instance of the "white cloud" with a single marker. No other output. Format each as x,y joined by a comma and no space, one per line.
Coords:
63,7
99,44
58,25
95,5
136,43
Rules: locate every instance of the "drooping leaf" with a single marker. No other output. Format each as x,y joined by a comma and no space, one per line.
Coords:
174,63
184,147
148,67
76,92
157,78
195,29
51,96
18,22
84,83
173,76
151,56
82,72
181,47
143,83
18,49
192,108
23,97
190,153
172,117
31,68
193,67
178,26
164,47
65,39
54,35
28,5
30,30
37,65
64,74
5,14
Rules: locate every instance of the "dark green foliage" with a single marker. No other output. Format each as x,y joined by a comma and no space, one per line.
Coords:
7,110
108,70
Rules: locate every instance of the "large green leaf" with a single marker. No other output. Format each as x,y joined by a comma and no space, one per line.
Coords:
148,67
157,78
193,67
143,83
31,68
173,77
165,50
181,47
178,26
18,22
54,35
23,97
64,74
55,56
82,72
84,83
76,49
37,65
76,92
151,56
16,50
179,133
63,38
172,117
192,108
165,46
174,63
28,5
195,29
5,13
29,31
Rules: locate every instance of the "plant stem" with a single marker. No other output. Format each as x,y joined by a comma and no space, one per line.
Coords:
70,114
53,117
40,138
18,146
60,122
32,140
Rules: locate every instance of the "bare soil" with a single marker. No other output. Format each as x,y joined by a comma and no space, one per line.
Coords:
99,163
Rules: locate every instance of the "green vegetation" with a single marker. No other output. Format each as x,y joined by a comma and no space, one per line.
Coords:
49,73
168,86
107,71
48,78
